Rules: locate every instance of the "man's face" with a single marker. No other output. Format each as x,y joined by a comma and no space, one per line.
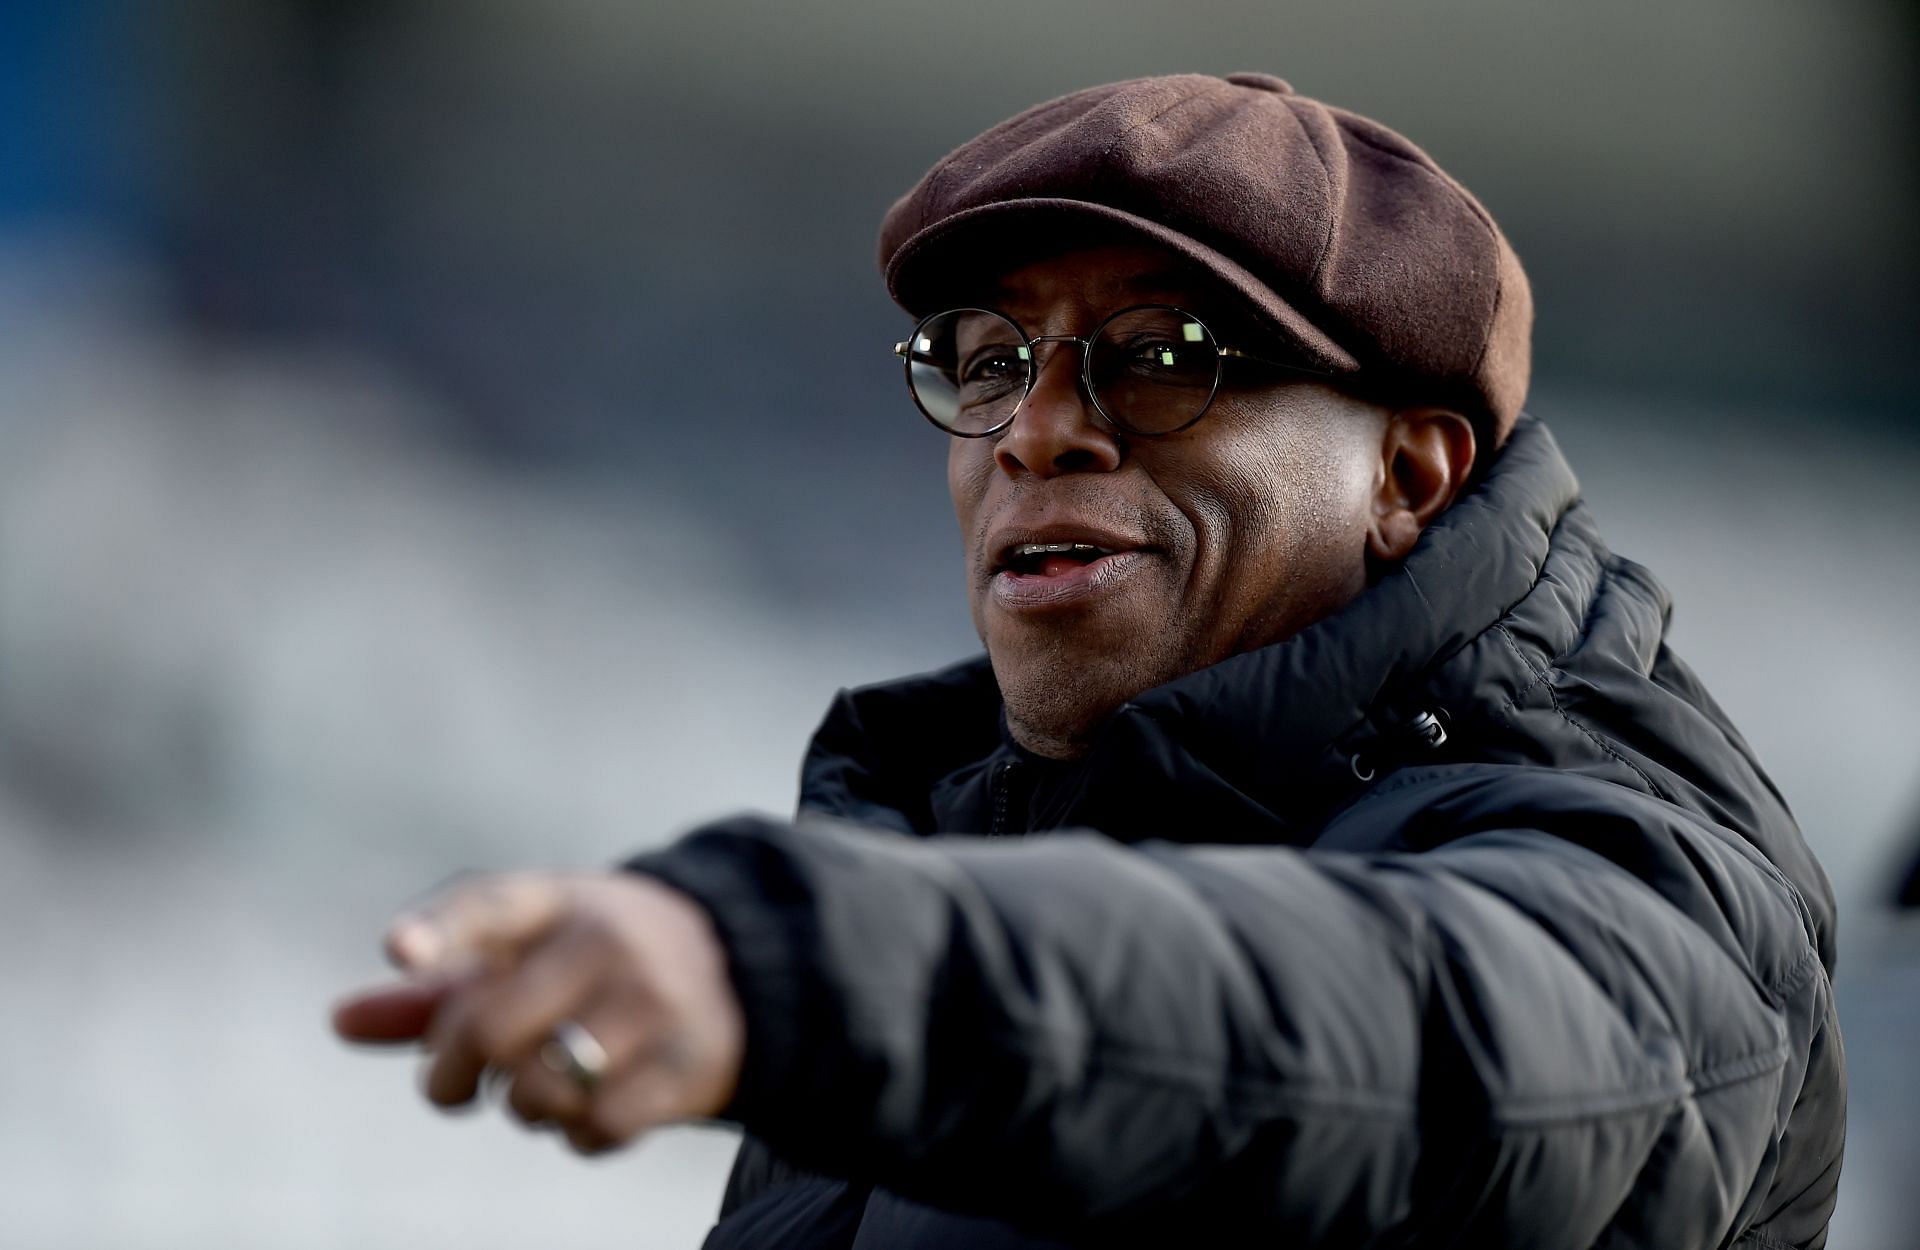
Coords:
1233,533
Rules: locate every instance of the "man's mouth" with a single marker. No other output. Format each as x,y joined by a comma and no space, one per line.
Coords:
1069,571
1050,559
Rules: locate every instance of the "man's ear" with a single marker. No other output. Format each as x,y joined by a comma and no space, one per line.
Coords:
1425,459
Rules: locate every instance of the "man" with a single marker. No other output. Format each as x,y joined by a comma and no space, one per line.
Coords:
1399,886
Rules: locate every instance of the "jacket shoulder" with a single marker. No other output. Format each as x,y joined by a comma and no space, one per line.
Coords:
1711,875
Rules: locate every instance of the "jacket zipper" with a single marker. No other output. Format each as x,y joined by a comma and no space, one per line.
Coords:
1002,786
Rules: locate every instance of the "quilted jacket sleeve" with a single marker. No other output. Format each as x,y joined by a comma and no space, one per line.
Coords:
1508,1038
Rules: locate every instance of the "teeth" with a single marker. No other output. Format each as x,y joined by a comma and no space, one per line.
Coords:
1052,549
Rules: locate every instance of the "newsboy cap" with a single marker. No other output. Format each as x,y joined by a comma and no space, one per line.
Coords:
1342,237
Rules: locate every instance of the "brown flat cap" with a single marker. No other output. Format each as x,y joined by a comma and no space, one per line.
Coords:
1340,234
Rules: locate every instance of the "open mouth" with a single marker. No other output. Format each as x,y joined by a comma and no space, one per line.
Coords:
1050,559
1061,566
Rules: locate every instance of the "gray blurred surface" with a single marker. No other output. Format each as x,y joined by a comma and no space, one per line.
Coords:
450,436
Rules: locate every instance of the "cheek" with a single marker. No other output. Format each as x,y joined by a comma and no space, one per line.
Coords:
970,483
968,465
1326,497
1286,509
1323,467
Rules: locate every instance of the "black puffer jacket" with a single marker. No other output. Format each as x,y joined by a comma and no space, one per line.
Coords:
1518,945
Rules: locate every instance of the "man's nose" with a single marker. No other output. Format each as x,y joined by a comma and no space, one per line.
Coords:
1057,430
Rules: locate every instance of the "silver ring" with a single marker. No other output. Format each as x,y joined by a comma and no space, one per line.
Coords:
576,1054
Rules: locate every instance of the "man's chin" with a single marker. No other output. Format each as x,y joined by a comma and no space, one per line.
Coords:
1097,648
1059,690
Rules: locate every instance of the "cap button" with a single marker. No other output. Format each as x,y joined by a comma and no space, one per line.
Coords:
1265,82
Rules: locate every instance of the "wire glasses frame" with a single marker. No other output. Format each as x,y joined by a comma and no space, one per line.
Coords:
1149,369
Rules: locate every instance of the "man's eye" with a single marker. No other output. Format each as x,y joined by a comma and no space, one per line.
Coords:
993,364
1160,356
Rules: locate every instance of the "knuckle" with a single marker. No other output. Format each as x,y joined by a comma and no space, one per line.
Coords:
525,1102
453,1030
476,1021
491,1033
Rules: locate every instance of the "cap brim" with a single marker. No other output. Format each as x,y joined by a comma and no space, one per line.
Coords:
923,272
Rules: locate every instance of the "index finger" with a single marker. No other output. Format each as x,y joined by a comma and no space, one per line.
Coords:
484,920
398,1012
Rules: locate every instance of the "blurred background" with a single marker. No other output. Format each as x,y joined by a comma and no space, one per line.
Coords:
454,435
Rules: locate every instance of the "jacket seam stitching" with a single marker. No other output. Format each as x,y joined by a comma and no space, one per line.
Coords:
1778,990
1143,1067
1542,678
1795,977
1721,1077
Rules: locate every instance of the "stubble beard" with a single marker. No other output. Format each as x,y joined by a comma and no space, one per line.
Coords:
1058,691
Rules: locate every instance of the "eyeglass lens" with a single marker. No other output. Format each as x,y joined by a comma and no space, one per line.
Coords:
1151,370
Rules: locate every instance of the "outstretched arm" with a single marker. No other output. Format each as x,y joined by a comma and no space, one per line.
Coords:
1499,1040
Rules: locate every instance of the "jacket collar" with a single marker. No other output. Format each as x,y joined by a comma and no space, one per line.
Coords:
1260,745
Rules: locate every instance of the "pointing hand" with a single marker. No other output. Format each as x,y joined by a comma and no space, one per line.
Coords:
605,1001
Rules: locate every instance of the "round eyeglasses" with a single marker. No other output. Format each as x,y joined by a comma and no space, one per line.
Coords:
1151,369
